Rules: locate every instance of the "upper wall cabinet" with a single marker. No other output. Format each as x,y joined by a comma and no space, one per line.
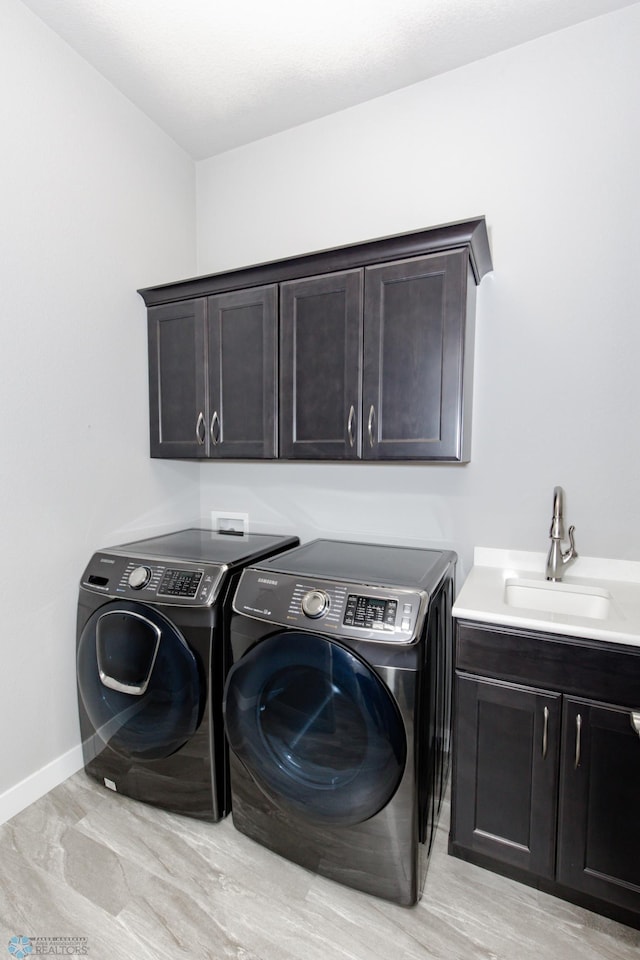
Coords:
212,370
321,367
418,353
359,353
372,362
177,379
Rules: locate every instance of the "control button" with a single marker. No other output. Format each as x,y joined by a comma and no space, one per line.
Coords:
315,603
406,608
406,623
139,578
390,612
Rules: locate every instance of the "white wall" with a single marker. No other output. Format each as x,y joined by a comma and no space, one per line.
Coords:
95,203
544,140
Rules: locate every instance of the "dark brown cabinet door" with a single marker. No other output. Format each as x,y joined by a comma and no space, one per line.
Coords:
320,367
599,825
415,322
379,373
212,376
177,383
506,746
242,364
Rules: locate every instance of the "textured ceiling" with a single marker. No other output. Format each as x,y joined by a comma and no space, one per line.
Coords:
216,74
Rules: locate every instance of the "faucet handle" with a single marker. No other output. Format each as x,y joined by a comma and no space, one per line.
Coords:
573,553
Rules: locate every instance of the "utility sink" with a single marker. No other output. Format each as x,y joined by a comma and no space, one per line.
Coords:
572,599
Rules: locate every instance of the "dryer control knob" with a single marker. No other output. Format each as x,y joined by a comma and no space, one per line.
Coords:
315,603
139,578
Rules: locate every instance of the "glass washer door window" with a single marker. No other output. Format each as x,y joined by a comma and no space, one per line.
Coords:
316,728
139,681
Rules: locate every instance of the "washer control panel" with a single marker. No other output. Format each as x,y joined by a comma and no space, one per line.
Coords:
366,612
172,582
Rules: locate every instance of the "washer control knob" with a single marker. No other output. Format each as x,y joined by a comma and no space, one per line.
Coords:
139,578
315,604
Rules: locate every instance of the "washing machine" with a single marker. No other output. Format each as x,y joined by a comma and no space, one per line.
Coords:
337,709
152,653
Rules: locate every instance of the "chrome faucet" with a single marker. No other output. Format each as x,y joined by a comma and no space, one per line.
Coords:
557,560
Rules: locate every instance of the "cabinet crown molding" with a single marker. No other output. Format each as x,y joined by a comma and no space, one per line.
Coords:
463,234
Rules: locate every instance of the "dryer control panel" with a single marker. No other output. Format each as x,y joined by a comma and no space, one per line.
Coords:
330,607
171,582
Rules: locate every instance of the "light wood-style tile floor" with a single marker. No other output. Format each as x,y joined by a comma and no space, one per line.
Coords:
144,884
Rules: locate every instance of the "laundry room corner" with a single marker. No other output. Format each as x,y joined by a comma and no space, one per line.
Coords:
95,199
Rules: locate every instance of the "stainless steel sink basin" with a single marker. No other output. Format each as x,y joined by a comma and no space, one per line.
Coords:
572,599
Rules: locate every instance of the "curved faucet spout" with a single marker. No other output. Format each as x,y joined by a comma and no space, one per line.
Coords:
558,559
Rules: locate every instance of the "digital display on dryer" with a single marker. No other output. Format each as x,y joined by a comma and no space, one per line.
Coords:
180,583
370,612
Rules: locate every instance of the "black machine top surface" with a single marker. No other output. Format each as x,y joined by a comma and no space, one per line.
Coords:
207,546
185,568
365,563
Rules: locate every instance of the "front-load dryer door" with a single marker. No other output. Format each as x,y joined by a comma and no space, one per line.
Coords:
316,728
139,682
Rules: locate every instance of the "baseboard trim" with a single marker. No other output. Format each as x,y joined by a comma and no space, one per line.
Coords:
20,796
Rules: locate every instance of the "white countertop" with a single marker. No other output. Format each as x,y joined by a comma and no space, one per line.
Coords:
483,595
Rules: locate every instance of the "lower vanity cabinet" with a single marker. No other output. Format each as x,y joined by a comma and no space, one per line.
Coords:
506,749
599,815
546,764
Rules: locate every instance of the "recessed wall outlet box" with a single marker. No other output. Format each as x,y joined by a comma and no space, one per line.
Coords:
235,524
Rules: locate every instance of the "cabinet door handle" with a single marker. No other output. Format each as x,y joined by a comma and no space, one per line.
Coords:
545,733
214,431
371,421
200,428
578,734
352,416
635,721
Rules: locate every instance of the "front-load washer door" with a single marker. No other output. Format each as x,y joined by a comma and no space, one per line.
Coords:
140,683
316,728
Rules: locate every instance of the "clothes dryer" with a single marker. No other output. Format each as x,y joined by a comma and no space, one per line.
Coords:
337,709
152,654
